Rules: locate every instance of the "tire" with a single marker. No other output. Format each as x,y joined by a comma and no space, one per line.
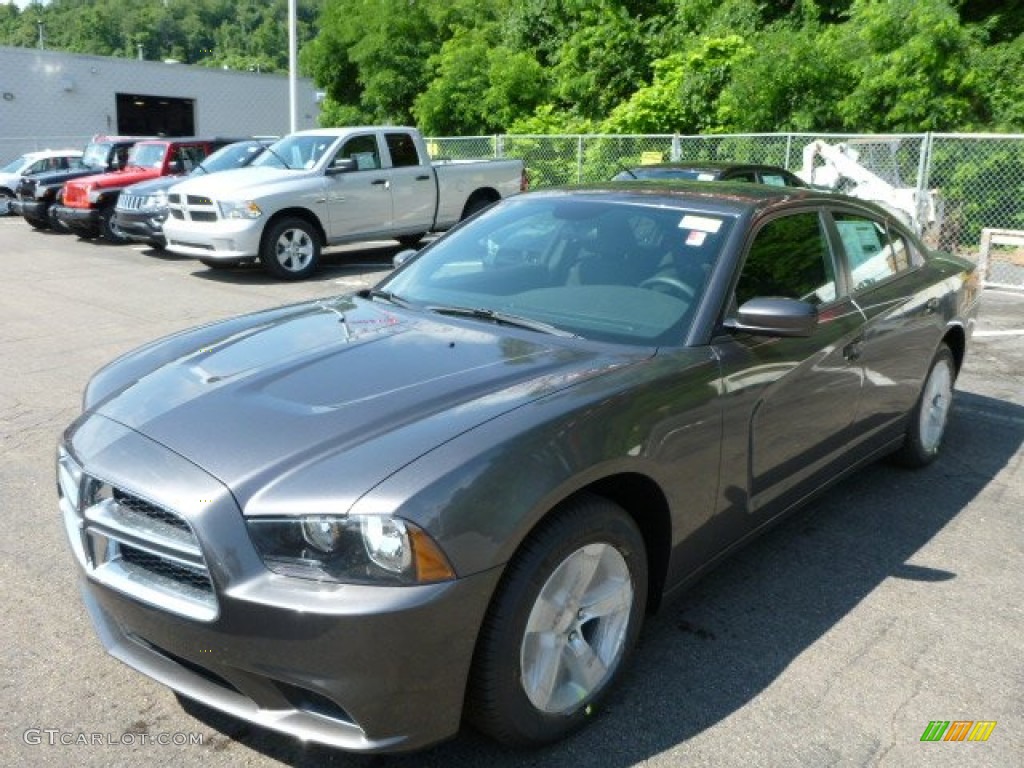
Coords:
214,264
290,249
108,229
475,204
411,241
38,223
927,420
545,656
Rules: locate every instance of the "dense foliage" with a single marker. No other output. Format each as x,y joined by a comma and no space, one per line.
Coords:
463,67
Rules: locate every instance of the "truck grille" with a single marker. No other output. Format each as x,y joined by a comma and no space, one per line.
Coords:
192,207
134,546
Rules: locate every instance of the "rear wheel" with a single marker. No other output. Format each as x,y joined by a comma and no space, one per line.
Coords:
928,419
410,241
565,617
290,249
476,203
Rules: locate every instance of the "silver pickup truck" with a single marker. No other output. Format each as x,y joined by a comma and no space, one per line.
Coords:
330,186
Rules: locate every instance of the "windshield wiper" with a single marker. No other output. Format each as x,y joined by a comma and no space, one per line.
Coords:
285,164
378,293
503,318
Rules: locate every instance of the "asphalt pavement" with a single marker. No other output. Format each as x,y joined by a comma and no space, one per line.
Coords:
834,640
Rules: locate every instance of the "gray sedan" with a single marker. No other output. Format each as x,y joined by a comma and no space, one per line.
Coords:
362,520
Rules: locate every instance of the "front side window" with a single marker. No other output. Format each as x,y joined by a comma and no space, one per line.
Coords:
362,149
789,258
873,251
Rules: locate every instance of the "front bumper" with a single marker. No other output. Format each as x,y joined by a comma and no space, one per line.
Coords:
142,227
82,221
36,210
362,668
228,240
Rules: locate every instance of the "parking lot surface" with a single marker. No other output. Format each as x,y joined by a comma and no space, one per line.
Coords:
836,639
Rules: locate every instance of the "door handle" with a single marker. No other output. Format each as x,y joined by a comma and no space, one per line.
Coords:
422,178
381,183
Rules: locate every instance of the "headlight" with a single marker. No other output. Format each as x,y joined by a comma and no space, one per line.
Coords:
358,549
239,209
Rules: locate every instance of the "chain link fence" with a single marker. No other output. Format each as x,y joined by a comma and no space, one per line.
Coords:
950,186
953,185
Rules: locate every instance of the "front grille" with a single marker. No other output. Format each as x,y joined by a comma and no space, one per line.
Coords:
192,207
133,545
132,202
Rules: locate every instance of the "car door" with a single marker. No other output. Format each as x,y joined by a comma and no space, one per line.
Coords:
413,185
359,201
790,403
888,280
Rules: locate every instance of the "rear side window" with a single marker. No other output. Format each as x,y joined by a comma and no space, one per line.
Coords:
789,258
402,149
873,251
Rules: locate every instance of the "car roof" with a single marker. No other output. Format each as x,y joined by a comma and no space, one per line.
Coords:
708,165
725,197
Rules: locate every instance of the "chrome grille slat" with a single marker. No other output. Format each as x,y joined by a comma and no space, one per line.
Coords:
134,546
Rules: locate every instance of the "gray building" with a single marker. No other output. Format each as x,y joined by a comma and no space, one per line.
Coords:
52,99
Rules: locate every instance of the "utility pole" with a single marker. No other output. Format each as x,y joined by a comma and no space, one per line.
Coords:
292,65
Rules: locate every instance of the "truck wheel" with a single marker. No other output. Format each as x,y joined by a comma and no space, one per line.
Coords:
562,623
410,241
108,228
476,203
290,249
38,223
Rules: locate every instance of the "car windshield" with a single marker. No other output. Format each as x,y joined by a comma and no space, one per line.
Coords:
232,156
690,174
147,155
95,155
296,152
612,271
15,165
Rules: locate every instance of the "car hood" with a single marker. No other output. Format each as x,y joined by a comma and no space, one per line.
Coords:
152,186
255,400
218,185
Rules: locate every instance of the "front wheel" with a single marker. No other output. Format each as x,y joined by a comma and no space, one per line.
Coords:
290,249
109,230
928,419
565,617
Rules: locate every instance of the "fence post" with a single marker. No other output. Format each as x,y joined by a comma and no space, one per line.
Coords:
677,149
499,145
579,160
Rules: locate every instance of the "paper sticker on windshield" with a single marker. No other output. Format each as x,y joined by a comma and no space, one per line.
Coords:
705,177
702,223
696,238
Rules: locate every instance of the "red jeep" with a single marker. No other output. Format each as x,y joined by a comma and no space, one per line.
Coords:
88,205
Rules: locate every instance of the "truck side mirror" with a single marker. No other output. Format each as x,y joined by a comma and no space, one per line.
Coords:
342,165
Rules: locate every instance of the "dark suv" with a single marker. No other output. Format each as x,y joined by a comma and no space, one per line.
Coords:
37,194
142,208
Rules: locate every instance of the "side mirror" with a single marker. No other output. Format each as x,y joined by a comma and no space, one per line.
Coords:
775,317
344,165
402,257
